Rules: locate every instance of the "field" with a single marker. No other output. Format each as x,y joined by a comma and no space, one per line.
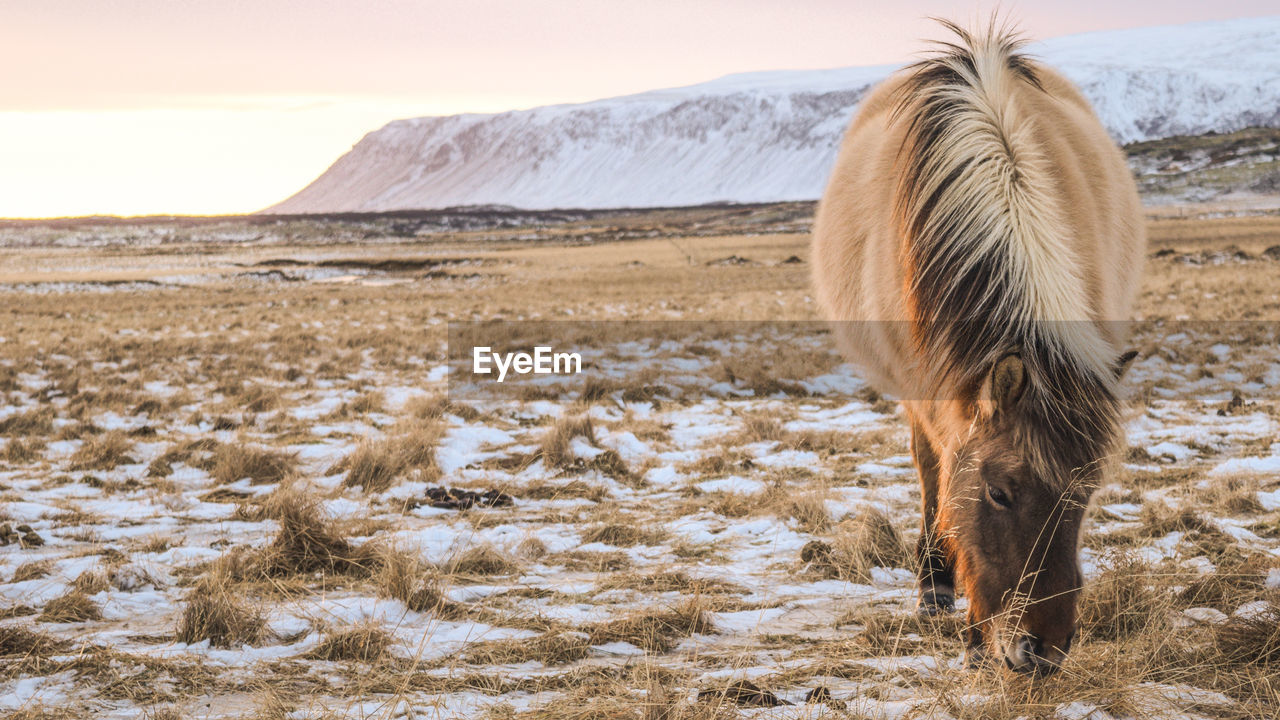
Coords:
236,481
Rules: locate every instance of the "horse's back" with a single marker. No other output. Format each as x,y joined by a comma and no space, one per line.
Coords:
859,255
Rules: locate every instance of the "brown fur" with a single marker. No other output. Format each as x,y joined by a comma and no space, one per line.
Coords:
978,244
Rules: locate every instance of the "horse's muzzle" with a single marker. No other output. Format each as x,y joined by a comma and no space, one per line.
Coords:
1029,655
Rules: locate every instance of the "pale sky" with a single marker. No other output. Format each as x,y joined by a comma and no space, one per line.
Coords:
226,106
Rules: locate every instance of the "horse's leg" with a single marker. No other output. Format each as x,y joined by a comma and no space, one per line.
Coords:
937,582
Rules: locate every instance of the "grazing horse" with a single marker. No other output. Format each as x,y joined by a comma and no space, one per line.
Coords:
978,247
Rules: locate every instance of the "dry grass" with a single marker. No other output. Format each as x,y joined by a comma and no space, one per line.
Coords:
809,510
370,402
1234,495
757,427
307,543
33,570
16,452
768,374
103,452
590,560
547,490
72,607
824,442
375,466
1127,598
261,466
623,534
1253,641
656,630
670,581
1225,589
327,339
556,448
532,548
91,582
216,612
861,543
417,585
19,641
482,560
1159,519
556,648
364,642
37,422
27,651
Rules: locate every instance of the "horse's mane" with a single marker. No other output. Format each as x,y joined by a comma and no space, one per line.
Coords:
988,270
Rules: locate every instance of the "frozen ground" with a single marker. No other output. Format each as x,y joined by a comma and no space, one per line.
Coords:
216,499
712,492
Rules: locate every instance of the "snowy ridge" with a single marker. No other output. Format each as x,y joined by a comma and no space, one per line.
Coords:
771,136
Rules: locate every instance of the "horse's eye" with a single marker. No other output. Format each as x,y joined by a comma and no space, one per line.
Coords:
999,496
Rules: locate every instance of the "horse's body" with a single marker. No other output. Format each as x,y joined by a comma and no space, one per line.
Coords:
979,234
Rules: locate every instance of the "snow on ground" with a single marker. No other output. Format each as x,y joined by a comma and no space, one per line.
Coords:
694,511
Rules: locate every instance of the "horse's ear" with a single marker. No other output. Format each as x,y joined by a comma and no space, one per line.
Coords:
1004,384
1123,363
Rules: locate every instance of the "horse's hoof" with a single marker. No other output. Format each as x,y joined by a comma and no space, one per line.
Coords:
936,603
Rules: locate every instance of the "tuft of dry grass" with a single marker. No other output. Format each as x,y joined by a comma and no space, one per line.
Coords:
73,607
33,570
1233,495
884,634
545,490
1159,519
236,462
556,447
436,408
364,642
655,630
623,535
809,510
215,612
769,374
591,561
824,442
482,560
103,452
91,582
375,466
417,585
552,648
861,543
16,640
532,548
34,422
17,452
306,543
24,650
671,581
1124,600
1253,640
1228,587
758,427
370,402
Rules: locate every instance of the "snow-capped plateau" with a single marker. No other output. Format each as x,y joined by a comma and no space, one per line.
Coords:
770,136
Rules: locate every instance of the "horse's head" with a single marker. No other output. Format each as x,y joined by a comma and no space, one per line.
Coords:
1011,517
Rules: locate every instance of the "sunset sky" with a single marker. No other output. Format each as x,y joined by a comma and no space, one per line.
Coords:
226,106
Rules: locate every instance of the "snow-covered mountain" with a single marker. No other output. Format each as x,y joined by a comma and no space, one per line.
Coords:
770,136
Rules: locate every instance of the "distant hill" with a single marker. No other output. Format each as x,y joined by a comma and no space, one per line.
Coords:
771,136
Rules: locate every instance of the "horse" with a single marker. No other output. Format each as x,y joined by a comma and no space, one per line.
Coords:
977,251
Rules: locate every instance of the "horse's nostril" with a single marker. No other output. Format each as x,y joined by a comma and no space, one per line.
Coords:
1031,646
1035,656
